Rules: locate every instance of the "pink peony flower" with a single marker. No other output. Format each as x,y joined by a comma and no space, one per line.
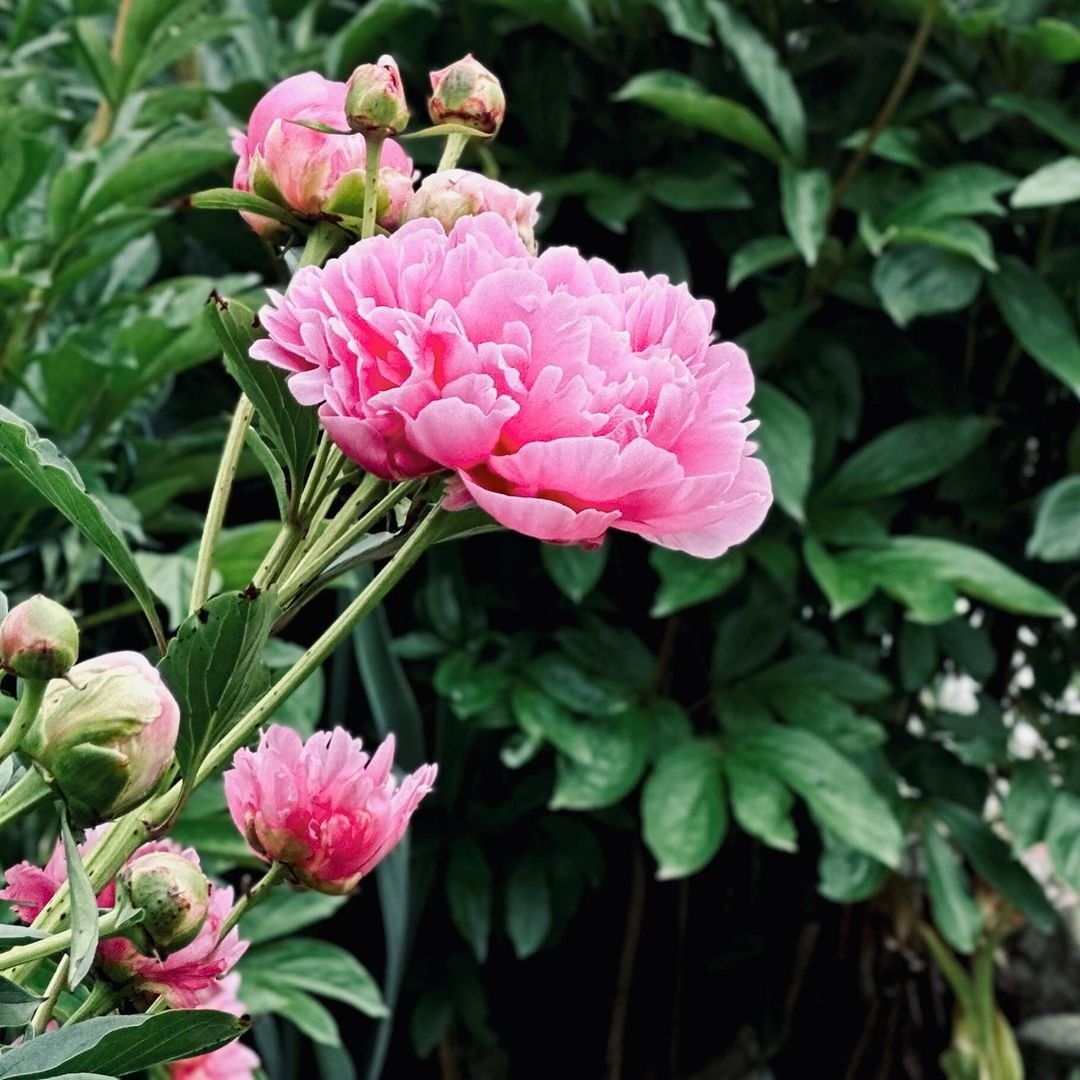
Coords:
183,975
311,171
233,1062
568,398
452,194
324,808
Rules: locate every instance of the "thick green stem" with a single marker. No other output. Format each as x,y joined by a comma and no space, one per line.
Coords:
452,151
50,946
33,693
321,244
374,144
425,534
27,794
52,995
219,500
258,892
102,998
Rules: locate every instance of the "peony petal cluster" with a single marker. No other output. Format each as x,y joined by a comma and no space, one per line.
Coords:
183,975
312,171
232,1062
566,397
324,808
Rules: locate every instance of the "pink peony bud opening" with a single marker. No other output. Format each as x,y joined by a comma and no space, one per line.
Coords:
375,99
467,93
324,808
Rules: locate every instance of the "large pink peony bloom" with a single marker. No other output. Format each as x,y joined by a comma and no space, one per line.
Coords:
183,975
233,1062
567,397
324,808
307,170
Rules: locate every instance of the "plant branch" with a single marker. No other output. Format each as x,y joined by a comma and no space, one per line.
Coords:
33,693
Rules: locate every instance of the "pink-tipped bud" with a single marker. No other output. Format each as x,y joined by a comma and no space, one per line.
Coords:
467,93
106,736
375,99
175,897
38,639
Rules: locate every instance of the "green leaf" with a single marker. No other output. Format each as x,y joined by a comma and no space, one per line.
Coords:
1048,115
837,792
684,815
845,585
528,907
761,254
685,19
1052,185
906,456
84,909
575,687
822,671
965,568
827,716
683,99
372,25
231,199
120,1045
1027,806
469,889
1036,315
40,464
955,191
919,280
318,967
992,860
766,75
1056,39
1057,523
292,428
804,203
847,876
958,235
575,569
609,757
955,912
1063,837
686,580
171,577
786,439
263,993
761,803
209,666
17,1005
285,912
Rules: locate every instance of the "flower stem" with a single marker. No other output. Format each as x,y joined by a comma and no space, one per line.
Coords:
51,945
219,500
373,144
320,244
452,151
425,534
261,889
28,793
33,693
101,999
56,985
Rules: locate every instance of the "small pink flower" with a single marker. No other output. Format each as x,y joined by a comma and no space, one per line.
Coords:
568,398
307,170
451,194
324,808
232,1062
183,975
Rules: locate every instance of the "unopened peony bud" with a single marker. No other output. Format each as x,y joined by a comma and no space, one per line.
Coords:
107,736
175,896
38,639
375,100
467,93
451,194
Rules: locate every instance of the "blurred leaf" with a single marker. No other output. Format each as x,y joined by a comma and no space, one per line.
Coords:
837,793
687,101
683,811
955,912
265,994
285,912
804,202
761,254
955,191
686,581
1050,116
1053,184
1035,314
761,803
847,876
1027,805
907,455
575,569
992,860
765,74
469,889
1063,837
373,25
958,235
919,280
38,462
1054,38
786,439
686,19
1056,537
846,586
528,907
